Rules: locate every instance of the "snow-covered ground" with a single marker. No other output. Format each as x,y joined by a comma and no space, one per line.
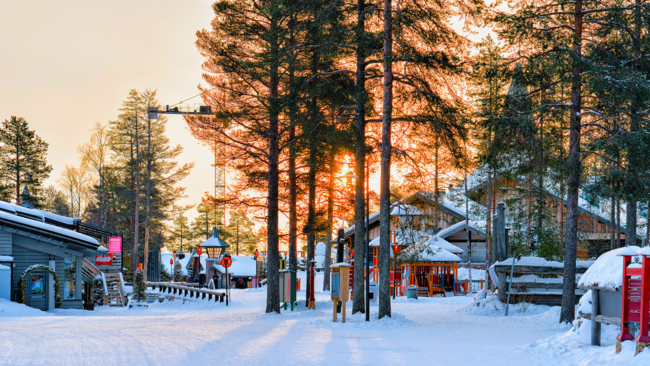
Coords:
442,331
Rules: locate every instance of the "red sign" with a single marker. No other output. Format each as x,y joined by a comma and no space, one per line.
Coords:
104,260
115,244
198,251
226,262
171,261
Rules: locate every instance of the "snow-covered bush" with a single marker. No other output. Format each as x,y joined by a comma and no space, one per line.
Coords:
97,295
139,287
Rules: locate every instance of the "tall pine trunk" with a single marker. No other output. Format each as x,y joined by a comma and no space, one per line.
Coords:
136,219
358,304
293,218
384,195
630,222
567,314
147,221
273,260
330,220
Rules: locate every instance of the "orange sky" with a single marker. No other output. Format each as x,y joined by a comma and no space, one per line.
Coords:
66,64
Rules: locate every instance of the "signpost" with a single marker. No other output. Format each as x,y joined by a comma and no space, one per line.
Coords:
226,262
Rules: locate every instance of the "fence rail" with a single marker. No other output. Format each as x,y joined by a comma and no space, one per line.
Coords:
184,290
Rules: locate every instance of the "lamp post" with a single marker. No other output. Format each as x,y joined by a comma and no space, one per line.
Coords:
215,248
350,175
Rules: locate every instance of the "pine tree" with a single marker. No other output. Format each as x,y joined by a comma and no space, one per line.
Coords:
98,291
244,52
23,161
143,161
181,235
177,276
240,234
139,287
560,45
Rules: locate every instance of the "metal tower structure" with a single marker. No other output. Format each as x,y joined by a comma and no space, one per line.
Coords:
215,143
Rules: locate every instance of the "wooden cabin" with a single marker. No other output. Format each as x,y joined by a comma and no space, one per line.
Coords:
45,257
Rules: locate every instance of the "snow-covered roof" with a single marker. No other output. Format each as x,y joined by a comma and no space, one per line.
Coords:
442,243
4,268
474,226
405,210
58,218
214,240
48,228
437,254
607,270
166,257
6,258
242,266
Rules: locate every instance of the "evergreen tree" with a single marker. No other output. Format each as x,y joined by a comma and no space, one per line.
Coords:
177,276
55,201
23,161
207,219
559,45
139,287
240,234
244,52
181,235
98,294
143,161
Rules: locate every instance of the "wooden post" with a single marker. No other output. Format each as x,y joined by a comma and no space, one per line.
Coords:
499,240
595,311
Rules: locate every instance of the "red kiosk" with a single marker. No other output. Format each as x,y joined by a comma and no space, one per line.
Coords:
635,305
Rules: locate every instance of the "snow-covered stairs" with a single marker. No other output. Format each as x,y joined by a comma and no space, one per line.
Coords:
114,295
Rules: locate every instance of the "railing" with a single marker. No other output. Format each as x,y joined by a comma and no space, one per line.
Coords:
299,254
474,286
184,290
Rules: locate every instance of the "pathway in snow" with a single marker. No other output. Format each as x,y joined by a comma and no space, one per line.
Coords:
428,331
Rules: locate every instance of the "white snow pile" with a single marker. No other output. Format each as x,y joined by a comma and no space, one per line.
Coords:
574,348
607,271
13,309
320,255
487,304
541,262
477,274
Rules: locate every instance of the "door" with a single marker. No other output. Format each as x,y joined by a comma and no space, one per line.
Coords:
38,290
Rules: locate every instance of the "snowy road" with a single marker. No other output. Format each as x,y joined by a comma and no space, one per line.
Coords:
428,331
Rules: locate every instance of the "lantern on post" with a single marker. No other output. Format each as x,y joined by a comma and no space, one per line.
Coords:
214,246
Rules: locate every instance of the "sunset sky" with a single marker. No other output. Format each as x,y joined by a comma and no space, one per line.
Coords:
69,63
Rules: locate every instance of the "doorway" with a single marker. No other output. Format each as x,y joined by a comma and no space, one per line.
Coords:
37,292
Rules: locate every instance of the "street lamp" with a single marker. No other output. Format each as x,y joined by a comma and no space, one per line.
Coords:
214,246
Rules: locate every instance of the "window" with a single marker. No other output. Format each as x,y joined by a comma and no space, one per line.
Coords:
69,276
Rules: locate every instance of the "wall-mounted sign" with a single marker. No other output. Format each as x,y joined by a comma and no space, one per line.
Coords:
104,260
115,244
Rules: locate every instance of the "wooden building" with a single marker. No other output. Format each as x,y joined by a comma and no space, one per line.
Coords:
46,256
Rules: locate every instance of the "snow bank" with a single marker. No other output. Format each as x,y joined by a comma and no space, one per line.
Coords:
491,306
607,271
574,348
13,309
477,274
541,262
